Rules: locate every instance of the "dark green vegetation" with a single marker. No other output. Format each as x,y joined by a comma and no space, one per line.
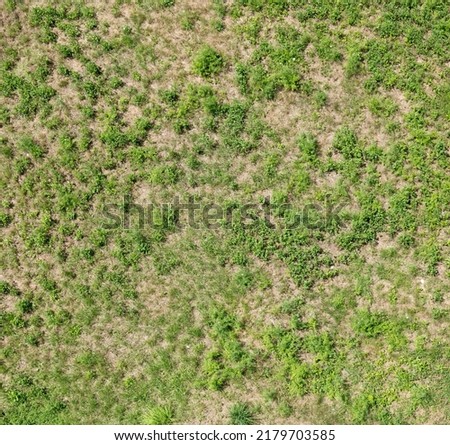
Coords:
318,104
240,414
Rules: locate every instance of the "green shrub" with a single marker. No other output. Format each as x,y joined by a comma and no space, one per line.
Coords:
40,237
188,21
69,51
33,97
320,98
67,150
138,131
70,29
45,16
5,219
8,289
165,263
382,106
93,68
431,254
208,62
43,70
25,306
114,138
27,144
245,279
326,50
309,147
46,35
353,64
21,165
170,96
228,360
92,90
369,324
165,3
164,175
5,115
346,142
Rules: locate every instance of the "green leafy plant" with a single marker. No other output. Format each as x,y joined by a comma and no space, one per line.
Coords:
208,62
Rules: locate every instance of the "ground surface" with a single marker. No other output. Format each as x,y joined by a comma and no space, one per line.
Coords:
337,311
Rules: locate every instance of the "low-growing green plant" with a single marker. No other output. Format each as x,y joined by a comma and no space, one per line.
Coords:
159,415
8,289
208,62
29,146
241,414
308,146
5,219
164,175
382,106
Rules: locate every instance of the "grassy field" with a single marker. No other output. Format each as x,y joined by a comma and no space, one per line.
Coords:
335,115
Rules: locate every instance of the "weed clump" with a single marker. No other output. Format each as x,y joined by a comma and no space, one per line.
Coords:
159,415
241,414
208,62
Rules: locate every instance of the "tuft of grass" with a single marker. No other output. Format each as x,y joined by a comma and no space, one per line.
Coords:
241,414
158,415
